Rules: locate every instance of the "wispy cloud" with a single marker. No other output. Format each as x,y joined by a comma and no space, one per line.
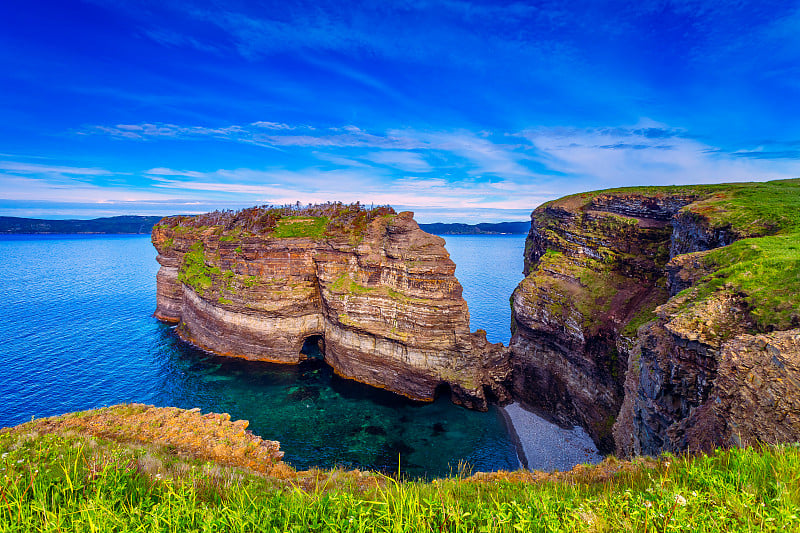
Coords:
350,184
16,167
17,188
607,157
574,158
170,37
405,161
399,148
507,173
279,126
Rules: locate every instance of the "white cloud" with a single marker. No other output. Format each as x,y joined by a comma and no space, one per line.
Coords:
402,160
32,168
17,188
435,170
399,148
281,186
160,171
646,153
486,156
277,125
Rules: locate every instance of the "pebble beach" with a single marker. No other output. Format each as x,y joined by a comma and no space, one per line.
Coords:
542,445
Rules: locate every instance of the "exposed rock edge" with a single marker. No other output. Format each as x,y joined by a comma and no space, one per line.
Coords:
615,327
379,296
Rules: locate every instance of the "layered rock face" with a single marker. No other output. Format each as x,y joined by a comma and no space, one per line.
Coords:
591,267
634,323
381,300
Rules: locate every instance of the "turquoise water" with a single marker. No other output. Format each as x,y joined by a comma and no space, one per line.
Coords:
77,333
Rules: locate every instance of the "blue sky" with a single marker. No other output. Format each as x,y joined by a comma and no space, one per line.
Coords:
459,111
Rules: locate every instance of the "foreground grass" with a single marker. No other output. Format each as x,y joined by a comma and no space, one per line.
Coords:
72,482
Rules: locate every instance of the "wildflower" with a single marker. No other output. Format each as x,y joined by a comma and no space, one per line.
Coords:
680,500
648,505
666,463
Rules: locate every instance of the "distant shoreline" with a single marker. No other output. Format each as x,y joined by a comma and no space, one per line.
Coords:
143,225
120,225
484,228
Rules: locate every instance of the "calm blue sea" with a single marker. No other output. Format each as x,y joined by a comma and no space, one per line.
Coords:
76,332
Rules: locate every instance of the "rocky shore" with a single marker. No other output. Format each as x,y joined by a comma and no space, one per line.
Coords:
655,318
544,446
664,318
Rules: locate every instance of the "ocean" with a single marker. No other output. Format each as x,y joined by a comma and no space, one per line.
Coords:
77,333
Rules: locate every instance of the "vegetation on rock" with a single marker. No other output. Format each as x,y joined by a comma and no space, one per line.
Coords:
316,221
58,474
762,267
658,279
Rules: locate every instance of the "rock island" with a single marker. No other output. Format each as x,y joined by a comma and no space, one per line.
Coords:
375,294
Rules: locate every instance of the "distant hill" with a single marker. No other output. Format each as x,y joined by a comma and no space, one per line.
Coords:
497,228
142,224
121,224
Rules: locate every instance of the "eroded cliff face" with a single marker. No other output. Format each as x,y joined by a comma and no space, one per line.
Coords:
637,320
381,300
592,266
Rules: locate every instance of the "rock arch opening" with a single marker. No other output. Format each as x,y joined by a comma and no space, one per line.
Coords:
442,389
313,348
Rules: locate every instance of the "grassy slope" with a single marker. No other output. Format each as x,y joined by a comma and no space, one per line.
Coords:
763,268
70,481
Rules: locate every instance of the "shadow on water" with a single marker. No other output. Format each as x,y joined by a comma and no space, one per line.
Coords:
82,335
324,420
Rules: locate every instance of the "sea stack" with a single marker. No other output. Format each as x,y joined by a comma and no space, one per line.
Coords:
376,294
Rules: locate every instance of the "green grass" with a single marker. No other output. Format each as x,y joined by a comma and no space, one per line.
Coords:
345,284
762,269
764,272
300,226
754,209
55,482
749,209
194,271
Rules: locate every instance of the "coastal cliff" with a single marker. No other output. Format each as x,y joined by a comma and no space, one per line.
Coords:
664,318
375,294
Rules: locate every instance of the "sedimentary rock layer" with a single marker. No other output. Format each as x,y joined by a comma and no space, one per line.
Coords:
641,321
378,295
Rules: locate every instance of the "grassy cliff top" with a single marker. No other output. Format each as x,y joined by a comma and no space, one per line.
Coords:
761,269
60,477
316,221
750,209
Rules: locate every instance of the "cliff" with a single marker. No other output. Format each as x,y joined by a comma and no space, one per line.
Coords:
664,318
369,288
142,468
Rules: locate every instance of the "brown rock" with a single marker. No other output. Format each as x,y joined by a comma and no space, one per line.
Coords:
693,378
383,304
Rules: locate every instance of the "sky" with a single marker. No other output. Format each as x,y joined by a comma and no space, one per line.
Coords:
459,111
